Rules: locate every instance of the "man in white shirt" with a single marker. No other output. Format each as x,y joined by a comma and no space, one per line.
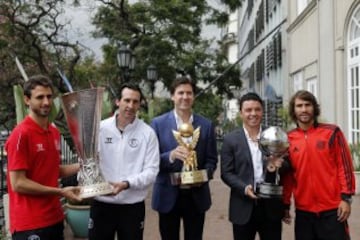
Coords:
129,160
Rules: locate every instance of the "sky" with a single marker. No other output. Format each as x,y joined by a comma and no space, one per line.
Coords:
80,27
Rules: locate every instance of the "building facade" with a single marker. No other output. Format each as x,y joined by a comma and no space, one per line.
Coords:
257,35
324,58
287,45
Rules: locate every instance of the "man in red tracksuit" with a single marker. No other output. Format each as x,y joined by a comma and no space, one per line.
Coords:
322,180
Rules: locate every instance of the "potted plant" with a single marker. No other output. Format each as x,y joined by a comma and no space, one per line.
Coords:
355,152
77,215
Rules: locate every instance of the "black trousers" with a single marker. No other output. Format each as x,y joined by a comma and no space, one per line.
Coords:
185,209
322,226
53,232
126,220
267,227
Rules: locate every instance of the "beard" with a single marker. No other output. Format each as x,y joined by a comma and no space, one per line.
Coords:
42,112
305,118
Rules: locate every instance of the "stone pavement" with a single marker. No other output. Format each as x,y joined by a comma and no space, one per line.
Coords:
217,226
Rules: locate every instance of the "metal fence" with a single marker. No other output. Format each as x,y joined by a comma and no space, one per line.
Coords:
3,186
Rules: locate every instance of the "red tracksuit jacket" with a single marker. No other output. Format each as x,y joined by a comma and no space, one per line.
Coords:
322,168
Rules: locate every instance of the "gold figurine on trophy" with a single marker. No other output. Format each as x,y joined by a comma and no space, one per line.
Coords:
187,137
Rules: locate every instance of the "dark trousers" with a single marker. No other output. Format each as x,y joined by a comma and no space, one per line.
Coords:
185,209
267,227
53,232
321,226
126,220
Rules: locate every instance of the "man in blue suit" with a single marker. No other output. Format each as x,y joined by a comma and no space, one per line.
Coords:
176,202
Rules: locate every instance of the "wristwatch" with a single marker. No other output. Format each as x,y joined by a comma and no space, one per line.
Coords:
127,185
347,198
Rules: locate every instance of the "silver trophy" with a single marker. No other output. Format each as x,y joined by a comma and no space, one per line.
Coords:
83,114
273,142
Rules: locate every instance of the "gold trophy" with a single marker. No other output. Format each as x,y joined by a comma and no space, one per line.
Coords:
187,137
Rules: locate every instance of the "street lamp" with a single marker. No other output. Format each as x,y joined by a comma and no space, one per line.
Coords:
151,74
126,61
132,62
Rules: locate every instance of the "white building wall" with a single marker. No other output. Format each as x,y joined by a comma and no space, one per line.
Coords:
233,53
232,109
317,45
303,44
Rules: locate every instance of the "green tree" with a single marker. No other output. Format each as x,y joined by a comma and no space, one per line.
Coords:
32,31
162,32
167,34
209,105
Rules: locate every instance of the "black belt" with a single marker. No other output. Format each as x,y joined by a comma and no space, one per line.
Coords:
99,203
317,214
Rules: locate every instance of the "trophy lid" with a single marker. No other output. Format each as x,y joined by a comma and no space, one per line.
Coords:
186,130
273,141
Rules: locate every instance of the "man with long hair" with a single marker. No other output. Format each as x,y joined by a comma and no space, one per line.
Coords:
322,180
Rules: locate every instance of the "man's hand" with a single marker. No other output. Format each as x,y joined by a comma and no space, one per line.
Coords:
249,191
343,211
287,217
180,152
274,163
118,187
71,193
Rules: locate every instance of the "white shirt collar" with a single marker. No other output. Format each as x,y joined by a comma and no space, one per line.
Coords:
179,121
248,136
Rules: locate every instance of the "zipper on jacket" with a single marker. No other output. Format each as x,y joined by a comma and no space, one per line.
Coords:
121,133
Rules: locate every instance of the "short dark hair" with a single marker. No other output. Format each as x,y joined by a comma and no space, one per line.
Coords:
306,96
37,80
131,86
179,81
248,97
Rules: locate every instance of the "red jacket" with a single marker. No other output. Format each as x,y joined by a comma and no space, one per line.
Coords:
322,168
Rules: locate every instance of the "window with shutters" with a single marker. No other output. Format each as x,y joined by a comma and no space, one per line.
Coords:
353,77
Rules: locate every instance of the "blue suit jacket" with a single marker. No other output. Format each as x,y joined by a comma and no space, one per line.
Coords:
164,194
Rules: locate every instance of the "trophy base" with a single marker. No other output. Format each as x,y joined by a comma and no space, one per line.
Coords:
97,189
189,178
269,190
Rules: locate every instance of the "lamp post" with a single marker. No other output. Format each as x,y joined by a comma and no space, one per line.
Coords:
151,74
126,61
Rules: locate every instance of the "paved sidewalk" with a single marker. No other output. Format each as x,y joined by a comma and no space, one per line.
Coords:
217,226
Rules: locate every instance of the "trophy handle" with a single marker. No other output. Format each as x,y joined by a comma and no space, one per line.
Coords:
277,176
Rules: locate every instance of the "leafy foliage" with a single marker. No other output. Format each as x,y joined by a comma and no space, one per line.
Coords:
229,126
168,35
283,113
155,107
31,30
209,106
355,152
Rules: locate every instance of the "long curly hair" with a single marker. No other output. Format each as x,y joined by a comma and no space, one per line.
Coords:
306,96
